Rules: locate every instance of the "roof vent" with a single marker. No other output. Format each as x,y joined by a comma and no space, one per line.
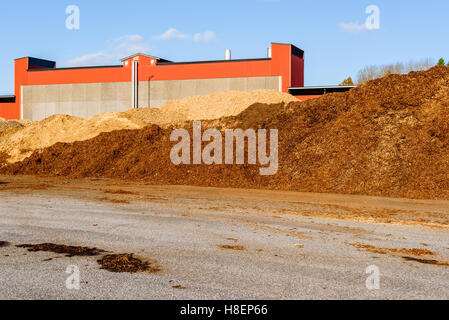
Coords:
228,54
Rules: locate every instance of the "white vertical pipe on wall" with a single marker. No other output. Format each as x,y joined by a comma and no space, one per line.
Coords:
133,91
135,84
136,95
21,102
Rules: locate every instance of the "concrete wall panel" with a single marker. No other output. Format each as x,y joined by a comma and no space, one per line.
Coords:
88,99
65,93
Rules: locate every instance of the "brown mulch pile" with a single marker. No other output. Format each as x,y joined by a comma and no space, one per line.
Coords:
389,137
69,251
20,138
3,158
127,263
131,154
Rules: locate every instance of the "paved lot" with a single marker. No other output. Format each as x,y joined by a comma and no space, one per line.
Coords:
297,246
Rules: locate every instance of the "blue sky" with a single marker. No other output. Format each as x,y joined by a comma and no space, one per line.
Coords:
332,33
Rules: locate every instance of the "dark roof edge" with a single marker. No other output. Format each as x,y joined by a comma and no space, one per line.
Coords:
74,68
36,59
145,55
8,99
212,61
322,87
318,91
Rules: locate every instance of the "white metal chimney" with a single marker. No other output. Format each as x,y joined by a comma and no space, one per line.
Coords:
228,54
269,52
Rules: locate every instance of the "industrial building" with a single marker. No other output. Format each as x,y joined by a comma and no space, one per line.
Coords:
42,90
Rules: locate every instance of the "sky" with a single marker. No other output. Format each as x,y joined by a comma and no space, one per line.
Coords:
334,34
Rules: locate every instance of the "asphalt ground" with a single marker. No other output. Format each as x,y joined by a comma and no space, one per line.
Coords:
220,243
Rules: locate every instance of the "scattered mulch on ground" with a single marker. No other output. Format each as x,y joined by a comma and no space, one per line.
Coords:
120,201
4,244
228,247
69,251
179,287
117,201
128,262
411,252
427,261
23,187
119,191
388,137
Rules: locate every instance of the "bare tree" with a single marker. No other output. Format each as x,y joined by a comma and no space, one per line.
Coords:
374,72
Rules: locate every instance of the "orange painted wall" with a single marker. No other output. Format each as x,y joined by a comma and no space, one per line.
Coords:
305,98
205,70
279,65
79,76
9,111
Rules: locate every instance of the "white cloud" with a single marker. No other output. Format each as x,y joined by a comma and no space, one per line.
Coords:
172,34
352,26
118,48
198,37
90,59
129,37
130,44
205,36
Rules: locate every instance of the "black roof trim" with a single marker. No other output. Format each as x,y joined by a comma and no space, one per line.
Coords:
38,59
35,62
310,91
7,99
211,61
297,52
75,68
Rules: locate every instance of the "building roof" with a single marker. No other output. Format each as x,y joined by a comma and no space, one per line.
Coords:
306,91
7,98
212,61
145,55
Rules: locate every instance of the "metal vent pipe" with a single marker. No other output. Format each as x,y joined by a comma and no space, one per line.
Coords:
228,54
